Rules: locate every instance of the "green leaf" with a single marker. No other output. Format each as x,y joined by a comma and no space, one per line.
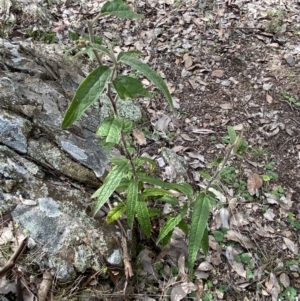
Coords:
132,198
128,87
147,163
170,200
154,212
232,134
107,147
142,215
183,226
111,128
110,184
205,242
149,192
98,40
115,213
172,223
200,217
101,49
73,36
87,93
167,238
143,68
184,188
219,236
119,9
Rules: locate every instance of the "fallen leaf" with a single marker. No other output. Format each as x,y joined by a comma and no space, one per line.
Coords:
269,215
230,254
285,280
242,239
162,123
273,287
139,137
269,98
217,73
187,61
187,137
291,246
181,290
202,131
226,106
195,155
254,182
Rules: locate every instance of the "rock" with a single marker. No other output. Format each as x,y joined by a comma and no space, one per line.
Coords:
69,240
177,166
47,174
289,59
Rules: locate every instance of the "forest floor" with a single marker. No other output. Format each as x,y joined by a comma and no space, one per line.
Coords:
227,63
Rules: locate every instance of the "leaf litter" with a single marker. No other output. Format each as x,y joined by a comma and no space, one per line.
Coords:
222,64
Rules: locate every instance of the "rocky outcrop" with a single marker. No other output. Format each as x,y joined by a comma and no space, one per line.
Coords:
47,174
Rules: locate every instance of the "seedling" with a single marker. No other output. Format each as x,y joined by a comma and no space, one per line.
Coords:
290,98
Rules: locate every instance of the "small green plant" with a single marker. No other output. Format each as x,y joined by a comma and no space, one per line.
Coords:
289,294
132,177
259,152
276,20
290,98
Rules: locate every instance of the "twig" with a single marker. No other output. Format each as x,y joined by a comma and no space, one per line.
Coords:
14,258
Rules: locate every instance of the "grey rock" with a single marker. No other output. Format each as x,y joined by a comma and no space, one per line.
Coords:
14,131
290,59
51,167
177,165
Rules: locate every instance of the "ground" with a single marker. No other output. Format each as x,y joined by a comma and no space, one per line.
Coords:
227,63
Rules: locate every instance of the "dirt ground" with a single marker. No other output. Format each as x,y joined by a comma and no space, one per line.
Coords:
227,63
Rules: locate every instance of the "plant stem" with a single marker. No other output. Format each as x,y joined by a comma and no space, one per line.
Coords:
216,174
92,40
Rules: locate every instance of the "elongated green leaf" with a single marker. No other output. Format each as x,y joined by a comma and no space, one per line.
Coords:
111,128
172,223
119,9
142,215
115,213
129,87
144,160
183,226
232,134
110,184
101,49
184,188
107,147
118,161
170,200
88,92
148,192
166,239
205,242
132,198
200,217
73,36
154,77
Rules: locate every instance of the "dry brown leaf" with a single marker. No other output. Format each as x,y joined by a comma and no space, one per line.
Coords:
269,98
291,246
273,287
254,182
285,280
226,106
242,239
187,61
139,137
217,73
181,290
45,286
187,137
